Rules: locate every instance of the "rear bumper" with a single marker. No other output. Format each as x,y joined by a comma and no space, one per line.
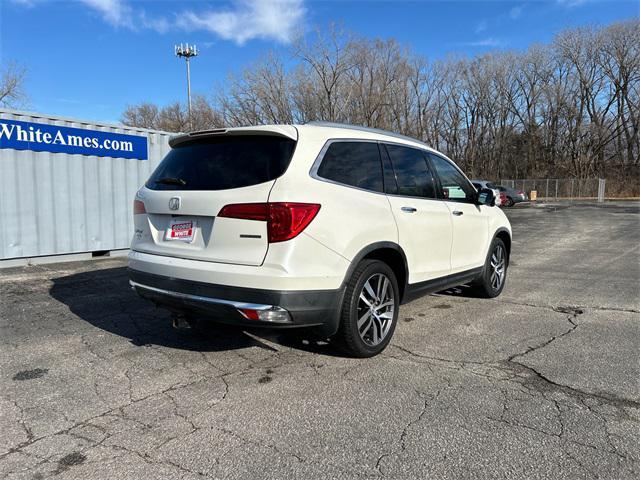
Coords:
222,303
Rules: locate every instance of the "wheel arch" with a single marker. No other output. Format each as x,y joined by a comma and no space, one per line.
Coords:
388,252
504,235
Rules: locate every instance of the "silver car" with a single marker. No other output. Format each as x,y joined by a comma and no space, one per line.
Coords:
486,184
511,196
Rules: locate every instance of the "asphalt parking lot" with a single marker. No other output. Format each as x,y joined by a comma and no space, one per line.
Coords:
542,382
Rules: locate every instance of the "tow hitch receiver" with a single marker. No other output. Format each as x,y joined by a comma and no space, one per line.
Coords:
182,322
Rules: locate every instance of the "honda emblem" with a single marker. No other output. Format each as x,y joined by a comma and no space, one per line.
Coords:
174,203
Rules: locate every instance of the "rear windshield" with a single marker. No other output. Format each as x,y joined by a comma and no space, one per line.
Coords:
220,163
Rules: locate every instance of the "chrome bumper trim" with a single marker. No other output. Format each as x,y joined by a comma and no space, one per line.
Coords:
199,298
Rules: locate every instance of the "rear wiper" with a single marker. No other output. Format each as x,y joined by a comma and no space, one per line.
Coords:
171,181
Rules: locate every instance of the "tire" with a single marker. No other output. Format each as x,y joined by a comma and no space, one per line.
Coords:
494,273
375,330
509,202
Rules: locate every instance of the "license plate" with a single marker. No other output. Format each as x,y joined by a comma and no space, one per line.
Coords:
181,229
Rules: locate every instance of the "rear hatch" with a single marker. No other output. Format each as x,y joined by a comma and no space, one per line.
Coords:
200,175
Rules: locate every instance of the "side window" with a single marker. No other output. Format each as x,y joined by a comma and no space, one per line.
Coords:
454,185
353,163
412,172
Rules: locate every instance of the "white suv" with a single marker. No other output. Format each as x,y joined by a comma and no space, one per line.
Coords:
318,225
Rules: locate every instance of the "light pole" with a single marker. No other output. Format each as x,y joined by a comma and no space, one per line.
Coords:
187,51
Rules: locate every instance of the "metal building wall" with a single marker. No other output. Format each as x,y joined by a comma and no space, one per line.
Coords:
56,203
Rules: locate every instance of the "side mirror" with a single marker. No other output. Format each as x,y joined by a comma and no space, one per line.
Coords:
486,197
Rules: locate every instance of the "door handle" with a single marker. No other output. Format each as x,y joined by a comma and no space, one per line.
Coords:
409,209
457,213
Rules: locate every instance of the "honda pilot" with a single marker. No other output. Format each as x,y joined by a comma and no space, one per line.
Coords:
324,226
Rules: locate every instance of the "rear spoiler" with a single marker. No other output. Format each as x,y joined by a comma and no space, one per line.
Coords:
288,131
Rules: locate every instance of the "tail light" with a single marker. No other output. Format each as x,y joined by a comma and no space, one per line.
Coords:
249,314
520,192
138,207
246,211
285,220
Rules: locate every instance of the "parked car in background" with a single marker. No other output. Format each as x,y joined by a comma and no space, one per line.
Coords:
486,184
511,196
321,225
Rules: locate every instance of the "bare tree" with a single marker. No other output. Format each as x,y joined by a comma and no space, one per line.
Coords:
261,95
144,115
567,108
12,78
327,63
621,64
173,117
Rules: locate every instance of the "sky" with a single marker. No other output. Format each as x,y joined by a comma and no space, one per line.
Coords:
89,59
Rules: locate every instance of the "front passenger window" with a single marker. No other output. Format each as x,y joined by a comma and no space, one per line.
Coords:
455,186
412,172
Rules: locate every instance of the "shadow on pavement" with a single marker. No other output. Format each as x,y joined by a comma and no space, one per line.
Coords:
466,291
104,299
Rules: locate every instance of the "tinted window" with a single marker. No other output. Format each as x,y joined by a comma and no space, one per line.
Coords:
353,163
413,176
454,184
223,162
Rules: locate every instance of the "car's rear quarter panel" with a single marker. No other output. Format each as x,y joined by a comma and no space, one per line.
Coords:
349,219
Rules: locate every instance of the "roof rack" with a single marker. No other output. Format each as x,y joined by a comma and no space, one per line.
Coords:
320,123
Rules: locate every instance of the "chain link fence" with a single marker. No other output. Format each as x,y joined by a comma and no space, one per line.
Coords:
560,188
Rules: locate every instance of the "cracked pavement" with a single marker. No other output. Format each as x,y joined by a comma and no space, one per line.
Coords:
542,382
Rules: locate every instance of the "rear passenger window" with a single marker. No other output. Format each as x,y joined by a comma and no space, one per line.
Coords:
353,163
412,174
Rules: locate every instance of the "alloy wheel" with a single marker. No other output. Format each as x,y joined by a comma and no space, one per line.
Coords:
498,267
376,307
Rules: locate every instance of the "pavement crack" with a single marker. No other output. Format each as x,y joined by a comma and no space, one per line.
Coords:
545,383
405,431
555,308
522,304
129,385
511,361
270,446
457,364
574,312
526,375
117,411
616,309
22,423
208,361
152,461
85,341
178,413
